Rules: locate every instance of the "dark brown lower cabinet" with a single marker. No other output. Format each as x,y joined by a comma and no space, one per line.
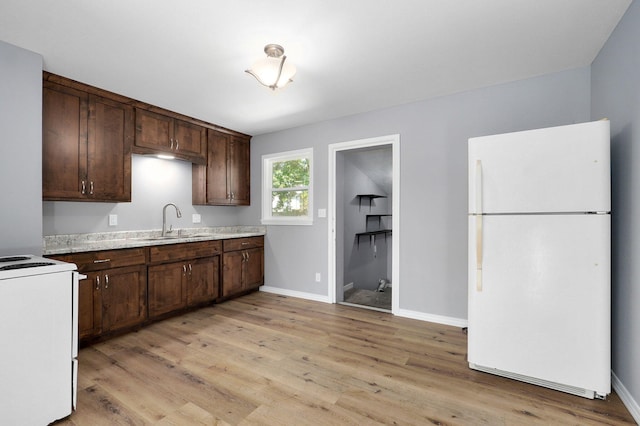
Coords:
114,295
177,285
242,265
124,293
127,288
167,288
186,275
204,281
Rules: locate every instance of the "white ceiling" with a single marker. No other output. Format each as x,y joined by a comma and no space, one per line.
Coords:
352,56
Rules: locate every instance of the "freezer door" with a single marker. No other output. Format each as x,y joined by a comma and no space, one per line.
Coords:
543,309
558,169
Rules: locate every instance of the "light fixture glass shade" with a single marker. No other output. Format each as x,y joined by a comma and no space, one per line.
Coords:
274,71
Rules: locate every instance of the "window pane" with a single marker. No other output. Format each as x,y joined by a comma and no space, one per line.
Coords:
289,203
291,173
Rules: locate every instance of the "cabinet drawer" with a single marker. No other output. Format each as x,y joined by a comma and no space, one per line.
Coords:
242,243
171,252
105,259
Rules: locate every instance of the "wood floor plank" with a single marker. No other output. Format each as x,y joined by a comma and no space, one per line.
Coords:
267,359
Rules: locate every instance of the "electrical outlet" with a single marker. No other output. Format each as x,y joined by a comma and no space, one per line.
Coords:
318,277
195,218
113,220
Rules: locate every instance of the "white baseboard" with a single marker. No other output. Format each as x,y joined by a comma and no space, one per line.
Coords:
625,396
295,293
438,319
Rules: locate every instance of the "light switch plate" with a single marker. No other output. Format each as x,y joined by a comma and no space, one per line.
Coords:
195,218
322,212
113,220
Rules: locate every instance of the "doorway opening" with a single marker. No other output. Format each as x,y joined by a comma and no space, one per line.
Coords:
363,223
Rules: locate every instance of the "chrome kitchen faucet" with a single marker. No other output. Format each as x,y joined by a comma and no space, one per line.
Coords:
164,218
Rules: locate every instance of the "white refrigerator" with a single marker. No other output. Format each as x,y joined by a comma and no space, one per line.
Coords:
539,257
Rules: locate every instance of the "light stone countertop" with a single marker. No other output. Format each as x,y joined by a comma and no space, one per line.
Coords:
78,243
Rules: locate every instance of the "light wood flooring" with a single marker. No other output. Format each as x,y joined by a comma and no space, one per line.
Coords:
266,359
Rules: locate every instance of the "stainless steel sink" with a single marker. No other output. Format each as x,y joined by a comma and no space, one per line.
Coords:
158,238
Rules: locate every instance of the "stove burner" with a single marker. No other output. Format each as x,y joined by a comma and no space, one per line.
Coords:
25,265
13,259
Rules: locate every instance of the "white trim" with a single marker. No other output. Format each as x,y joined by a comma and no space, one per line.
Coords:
266,217
438,319
394,141
626,397
295,293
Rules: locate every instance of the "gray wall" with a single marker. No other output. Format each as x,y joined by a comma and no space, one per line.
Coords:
154,183
433,179
20,151
615,85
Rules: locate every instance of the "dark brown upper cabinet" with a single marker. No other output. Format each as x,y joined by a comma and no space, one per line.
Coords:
86,146
162,134
225,180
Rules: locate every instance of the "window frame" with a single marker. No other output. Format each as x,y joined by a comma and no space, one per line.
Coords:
267,187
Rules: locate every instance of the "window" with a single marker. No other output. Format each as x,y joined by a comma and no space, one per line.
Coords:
287,188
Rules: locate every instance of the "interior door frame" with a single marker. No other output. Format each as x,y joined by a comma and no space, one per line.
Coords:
394,141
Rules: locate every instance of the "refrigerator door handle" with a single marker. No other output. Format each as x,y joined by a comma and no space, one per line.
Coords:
478,225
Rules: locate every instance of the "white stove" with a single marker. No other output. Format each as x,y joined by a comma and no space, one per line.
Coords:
39,331
28,264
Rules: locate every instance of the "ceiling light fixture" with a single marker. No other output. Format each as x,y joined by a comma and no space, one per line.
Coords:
273,71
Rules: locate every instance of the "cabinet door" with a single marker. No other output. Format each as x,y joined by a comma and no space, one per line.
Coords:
238,171
64,142
253,270
232,265
167,288
124,296
89,306
217,185
203,280
153,131
190,141
109,149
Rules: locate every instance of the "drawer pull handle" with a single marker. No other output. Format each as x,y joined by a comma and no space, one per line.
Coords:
98,282
106,281
102,260
245,244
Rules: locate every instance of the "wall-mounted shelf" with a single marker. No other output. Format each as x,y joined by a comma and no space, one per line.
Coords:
372,234
369,197
379,216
